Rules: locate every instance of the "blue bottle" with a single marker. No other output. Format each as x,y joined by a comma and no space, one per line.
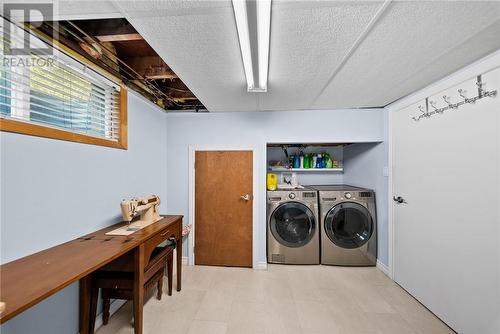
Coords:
296,161
319,161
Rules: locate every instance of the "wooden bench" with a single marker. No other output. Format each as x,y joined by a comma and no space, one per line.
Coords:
116,280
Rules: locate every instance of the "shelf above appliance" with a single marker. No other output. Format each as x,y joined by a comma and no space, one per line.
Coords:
307,170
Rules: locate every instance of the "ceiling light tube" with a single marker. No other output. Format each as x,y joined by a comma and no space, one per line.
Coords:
253,22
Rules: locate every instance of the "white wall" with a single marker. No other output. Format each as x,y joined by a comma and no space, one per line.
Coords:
447,167
53,191
256,129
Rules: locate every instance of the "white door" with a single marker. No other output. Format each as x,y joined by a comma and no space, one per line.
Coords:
447,234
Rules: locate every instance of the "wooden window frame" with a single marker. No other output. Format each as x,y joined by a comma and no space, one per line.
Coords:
9,125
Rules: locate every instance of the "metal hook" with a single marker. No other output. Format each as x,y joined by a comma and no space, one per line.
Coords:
424,111
433,105
462,92
436,109
447,100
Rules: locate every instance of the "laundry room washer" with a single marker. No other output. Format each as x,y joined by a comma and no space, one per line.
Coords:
348,218
293,227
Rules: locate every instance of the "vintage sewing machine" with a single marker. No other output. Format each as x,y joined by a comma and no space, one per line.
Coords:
146,207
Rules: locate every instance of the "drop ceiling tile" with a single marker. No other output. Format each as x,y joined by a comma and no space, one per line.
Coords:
308,40
75,10
413,45
163,8
478,46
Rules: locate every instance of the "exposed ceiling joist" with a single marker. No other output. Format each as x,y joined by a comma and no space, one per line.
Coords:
115,46
119,37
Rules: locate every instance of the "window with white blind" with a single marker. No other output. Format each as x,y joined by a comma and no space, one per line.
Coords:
56,96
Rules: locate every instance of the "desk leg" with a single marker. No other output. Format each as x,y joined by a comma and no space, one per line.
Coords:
179,263
85,286
138,288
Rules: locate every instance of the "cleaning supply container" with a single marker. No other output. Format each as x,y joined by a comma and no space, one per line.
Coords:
272,181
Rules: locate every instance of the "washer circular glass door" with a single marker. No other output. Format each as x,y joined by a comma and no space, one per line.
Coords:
293,224
349,225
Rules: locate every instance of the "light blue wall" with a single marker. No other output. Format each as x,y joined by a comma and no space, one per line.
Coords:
256,129
364,167
53,191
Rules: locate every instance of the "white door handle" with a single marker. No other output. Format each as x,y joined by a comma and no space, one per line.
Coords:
245,197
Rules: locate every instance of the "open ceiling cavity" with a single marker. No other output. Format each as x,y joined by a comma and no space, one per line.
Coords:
115,46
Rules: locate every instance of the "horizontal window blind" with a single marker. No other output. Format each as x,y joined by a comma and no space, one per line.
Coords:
57,91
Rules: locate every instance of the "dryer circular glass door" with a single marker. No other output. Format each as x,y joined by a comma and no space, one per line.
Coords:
293,224
349,225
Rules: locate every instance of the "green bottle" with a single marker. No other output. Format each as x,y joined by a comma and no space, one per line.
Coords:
307,161
328,160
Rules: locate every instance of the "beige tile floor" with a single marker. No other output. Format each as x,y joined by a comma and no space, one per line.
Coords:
283,299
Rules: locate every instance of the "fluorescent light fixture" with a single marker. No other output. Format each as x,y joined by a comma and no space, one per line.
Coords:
253,21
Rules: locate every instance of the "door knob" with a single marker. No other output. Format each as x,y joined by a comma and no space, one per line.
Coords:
399,200
245,197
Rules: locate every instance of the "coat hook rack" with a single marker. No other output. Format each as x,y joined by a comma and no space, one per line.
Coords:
481,93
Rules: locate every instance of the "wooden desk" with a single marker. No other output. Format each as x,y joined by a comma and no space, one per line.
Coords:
29,280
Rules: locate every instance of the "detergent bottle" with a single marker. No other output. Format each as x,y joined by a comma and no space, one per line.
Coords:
272,181
328,161
307,161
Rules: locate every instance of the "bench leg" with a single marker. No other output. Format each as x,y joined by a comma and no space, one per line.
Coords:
170,264
159,286
178,266
105,309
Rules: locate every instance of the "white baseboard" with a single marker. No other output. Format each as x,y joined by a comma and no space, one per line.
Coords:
113,307
383,268
261,266
185,260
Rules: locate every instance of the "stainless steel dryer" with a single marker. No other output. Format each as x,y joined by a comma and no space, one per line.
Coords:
348,225
292,227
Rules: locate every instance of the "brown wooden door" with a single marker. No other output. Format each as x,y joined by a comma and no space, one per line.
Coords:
223,219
